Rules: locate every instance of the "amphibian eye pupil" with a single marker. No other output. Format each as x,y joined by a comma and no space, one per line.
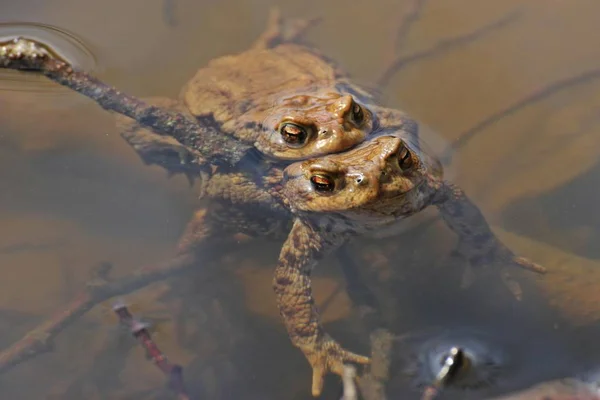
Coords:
293,134
357,113
404,158
322,183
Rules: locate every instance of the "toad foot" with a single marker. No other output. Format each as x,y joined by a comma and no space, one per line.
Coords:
328,356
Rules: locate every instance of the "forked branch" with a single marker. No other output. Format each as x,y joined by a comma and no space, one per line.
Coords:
40,339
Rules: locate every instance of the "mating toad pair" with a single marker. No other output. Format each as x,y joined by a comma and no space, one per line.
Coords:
326,161
325,164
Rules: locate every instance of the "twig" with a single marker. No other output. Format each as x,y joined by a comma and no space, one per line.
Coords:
407,23
27,54
429,393
40,339
370,384
350,391
441,47
173,372
169,13
532,98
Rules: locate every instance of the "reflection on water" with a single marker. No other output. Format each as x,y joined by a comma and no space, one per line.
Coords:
73,195
64,44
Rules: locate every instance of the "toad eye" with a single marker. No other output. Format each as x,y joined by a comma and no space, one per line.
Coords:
405,160
294,135
358,115
322,183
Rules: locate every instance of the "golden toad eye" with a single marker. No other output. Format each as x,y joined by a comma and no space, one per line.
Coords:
358,115
293,134
322,183
404,158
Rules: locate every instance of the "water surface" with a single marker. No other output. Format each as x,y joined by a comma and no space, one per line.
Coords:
513,84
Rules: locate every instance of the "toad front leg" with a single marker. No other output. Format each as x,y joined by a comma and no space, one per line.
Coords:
303,247
475,235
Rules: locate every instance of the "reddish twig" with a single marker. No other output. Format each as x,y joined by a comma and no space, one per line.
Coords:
139,330
27,54
430,393
40,339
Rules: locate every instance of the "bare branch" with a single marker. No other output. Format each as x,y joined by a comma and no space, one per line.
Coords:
442,47
407,23
173,372
40,339
26,54
532,98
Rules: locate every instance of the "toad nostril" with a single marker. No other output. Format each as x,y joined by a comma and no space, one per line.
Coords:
325,133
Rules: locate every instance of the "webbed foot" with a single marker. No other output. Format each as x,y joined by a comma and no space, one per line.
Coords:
328,356
499,256
497,253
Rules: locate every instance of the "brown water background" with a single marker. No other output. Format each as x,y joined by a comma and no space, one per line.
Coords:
521,97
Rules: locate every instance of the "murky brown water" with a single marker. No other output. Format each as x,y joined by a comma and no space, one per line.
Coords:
520,93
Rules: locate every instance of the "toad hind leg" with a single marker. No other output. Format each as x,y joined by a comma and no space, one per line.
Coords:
303,247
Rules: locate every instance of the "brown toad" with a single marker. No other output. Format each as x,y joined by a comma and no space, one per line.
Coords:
286,99
361,191
326,201
281,98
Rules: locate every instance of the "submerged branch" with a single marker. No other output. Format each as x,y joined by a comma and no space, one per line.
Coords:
371,383
532,98
29,55
442,47
407,23
40,339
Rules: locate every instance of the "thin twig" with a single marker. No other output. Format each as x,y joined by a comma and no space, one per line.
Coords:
407,23
173,372
169,12
26,54
349,386
40,339
429,393
371,384
442,47
532,98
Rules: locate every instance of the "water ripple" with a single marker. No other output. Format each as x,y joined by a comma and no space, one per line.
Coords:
65,44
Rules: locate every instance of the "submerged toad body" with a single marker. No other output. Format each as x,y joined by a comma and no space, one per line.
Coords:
363,190
325,201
